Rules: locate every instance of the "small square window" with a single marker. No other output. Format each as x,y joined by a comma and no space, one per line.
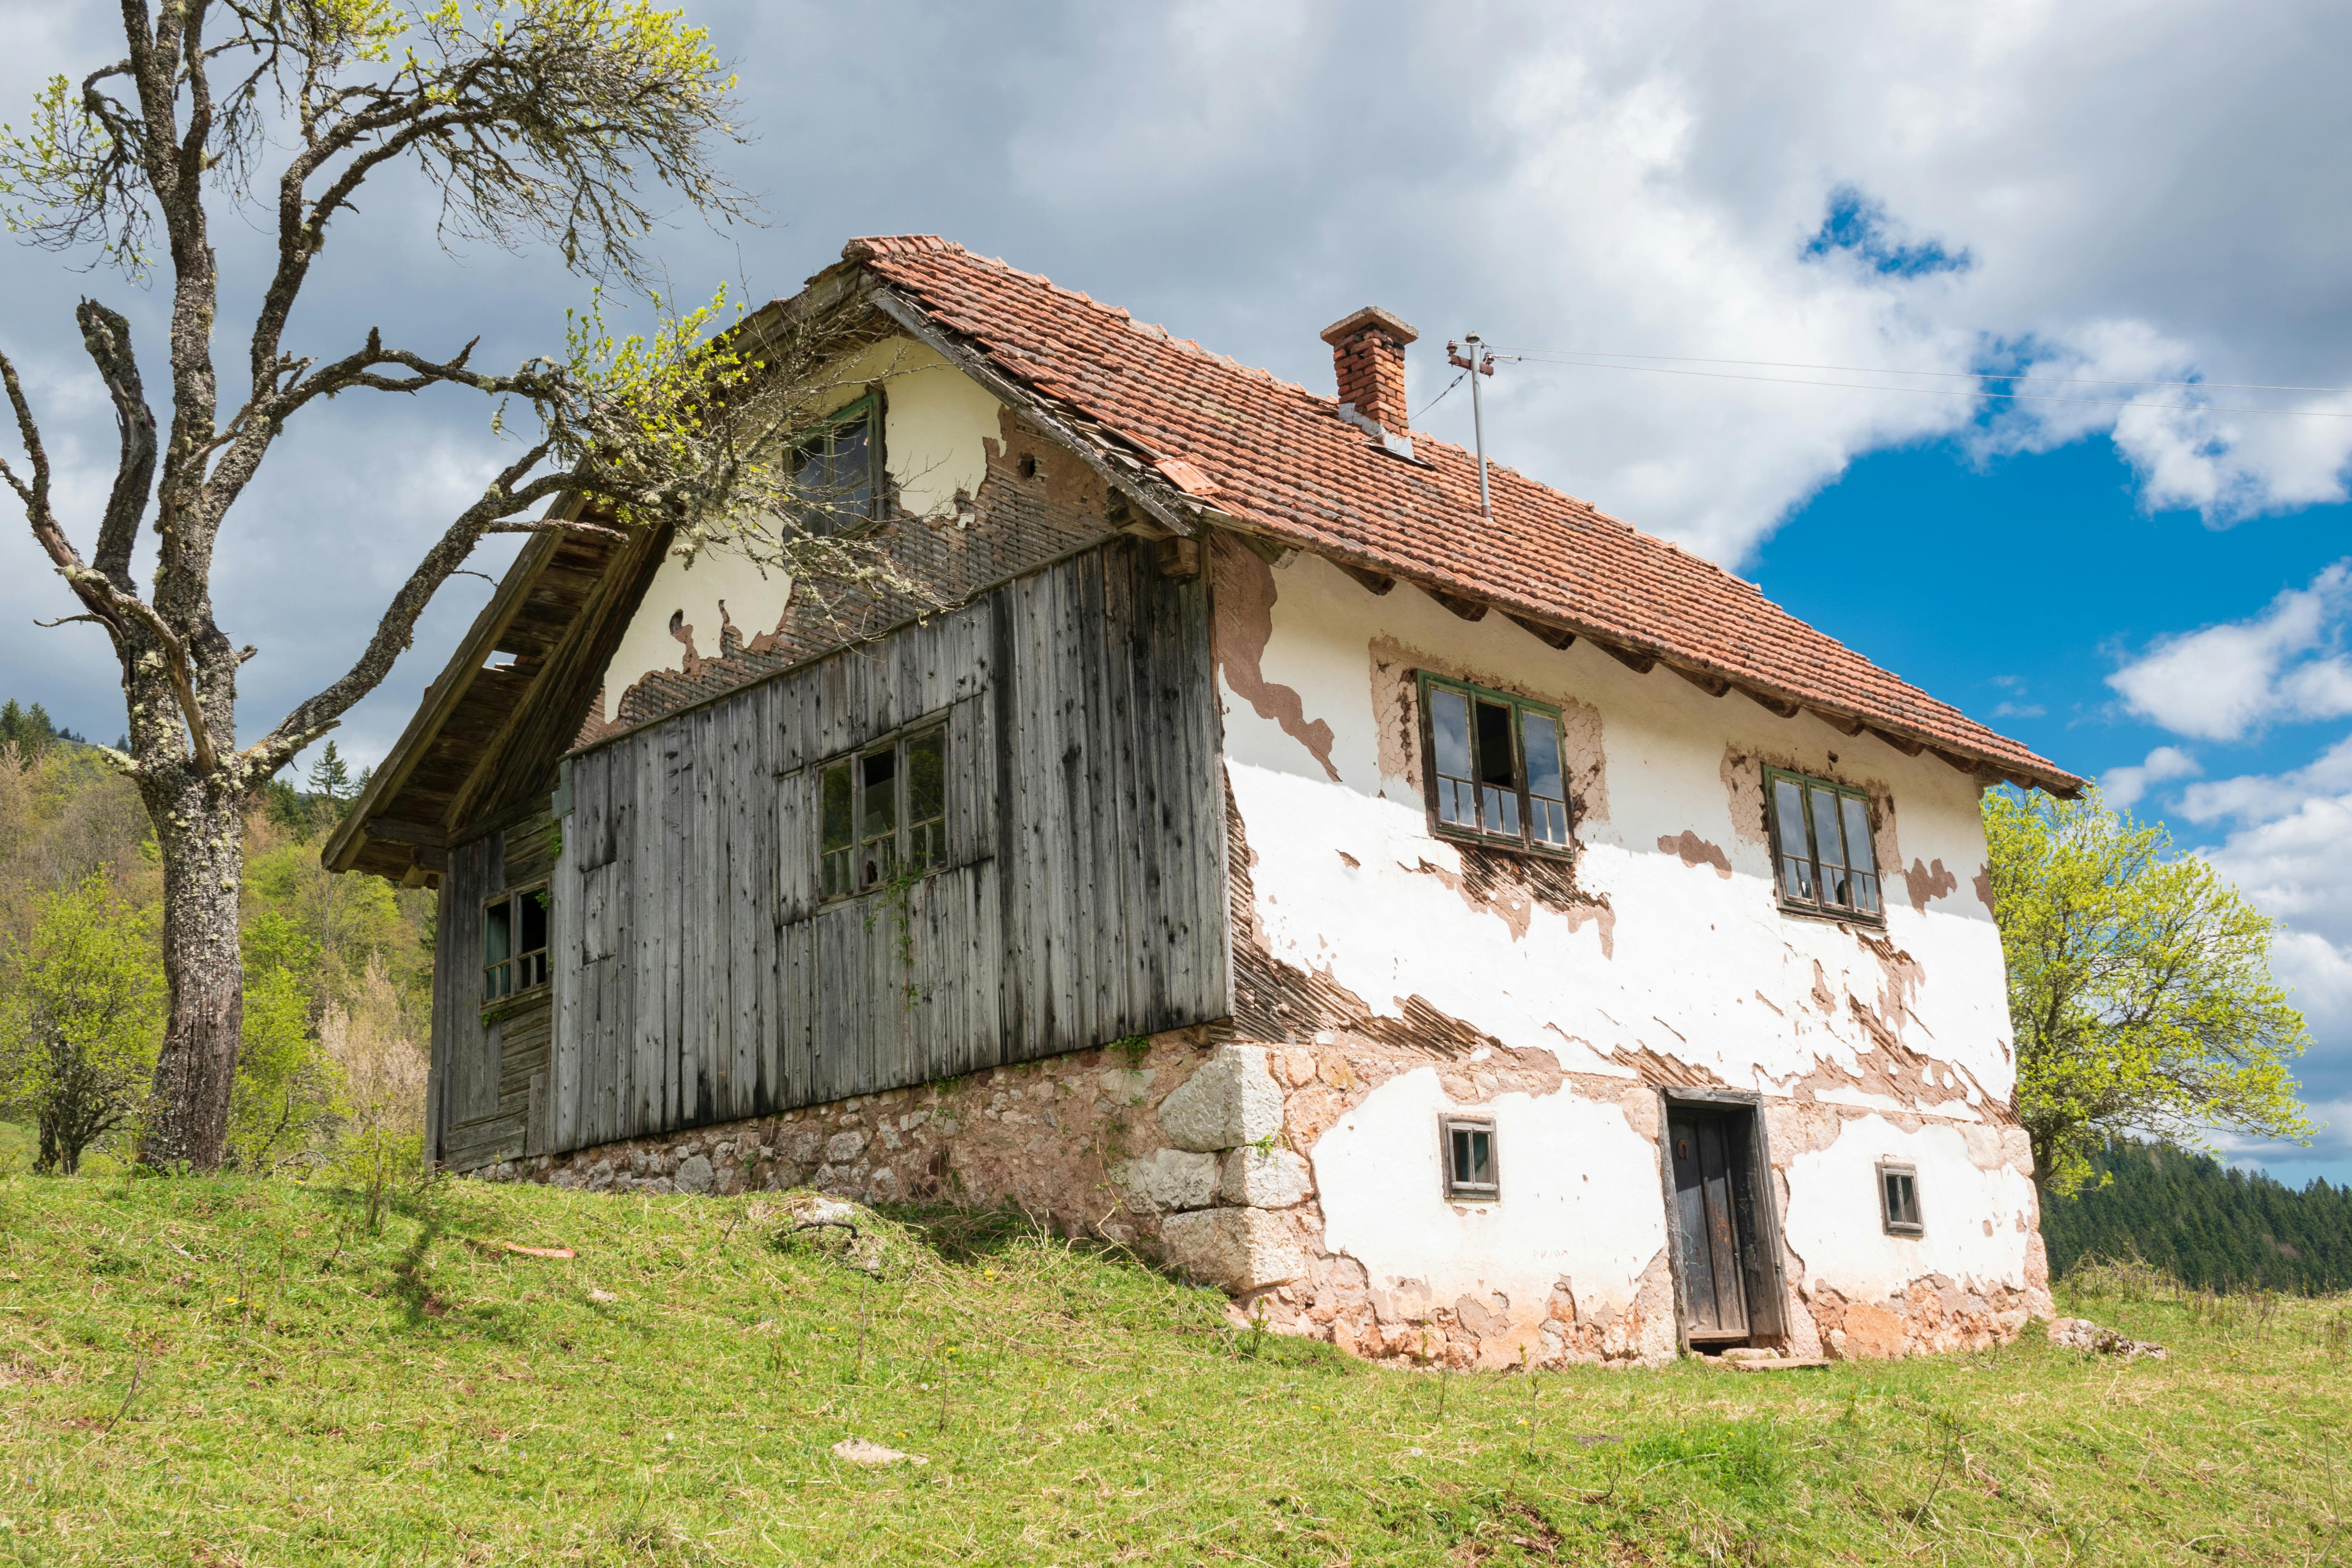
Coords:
1468,1148
1821,851
1494,766
1898,1199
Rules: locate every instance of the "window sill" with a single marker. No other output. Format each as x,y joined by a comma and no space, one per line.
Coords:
1907,1232
1833,917
1507,846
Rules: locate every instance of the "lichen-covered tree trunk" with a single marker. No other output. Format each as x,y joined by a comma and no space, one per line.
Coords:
200,825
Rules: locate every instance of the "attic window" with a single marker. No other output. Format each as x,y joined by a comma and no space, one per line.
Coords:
514,944
1821,844
1493,762
1898,1199
837,471
1468,1149
883,809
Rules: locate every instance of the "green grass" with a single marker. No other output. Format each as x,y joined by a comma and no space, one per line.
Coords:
307,1392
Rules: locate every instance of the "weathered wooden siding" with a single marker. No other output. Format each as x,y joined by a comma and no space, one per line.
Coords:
486,1098
698,976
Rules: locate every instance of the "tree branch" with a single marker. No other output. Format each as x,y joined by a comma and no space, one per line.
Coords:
394,632
107,337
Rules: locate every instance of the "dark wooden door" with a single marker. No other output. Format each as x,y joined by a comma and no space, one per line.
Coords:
1714,1282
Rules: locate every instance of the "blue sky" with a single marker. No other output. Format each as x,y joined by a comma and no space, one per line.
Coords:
2108,191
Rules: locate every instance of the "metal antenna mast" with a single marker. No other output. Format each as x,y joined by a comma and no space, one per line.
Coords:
1480,363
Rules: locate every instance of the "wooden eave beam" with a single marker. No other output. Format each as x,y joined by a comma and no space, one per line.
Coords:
1469,609
1374,581
1779,706
1639,663
393,831
1553,636
1903,744
1844,723
1713,685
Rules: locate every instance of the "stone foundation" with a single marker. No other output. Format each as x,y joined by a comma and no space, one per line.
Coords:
1206,1152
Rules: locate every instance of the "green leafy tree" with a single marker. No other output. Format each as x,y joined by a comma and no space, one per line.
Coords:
533,119
2140,988
80,1018
286,1091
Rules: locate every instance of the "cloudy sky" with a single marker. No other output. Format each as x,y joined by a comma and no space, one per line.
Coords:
2148,582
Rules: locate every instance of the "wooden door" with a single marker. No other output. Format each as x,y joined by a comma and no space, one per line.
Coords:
1714,1282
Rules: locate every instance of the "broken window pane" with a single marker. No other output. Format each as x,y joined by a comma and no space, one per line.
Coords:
1859,853
1449,714
498,949
927,799
1547,793
531,944
833,475
836,833
878,815
1498,770
1796,847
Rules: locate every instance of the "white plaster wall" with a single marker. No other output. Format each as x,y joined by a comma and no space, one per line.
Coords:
1976,1218
936,423
1584,1202
1695,965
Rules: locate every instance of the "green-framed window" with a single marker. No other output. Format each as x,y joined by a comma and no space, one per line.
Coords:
1493,762
514,944
837,470
1821,844
882,809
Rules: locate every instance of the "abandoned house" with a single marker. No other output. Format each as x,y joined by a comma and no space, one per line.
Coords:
1465,938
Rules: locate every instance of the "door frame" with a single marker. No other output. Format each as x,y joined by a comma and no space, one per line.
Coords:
1759,1216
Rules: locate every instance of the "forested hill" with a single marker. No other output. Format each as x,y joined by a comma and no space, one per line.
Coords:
2214,1228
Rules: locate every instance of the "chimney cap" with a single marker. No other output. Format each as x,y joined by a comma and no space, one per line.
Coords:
1388,322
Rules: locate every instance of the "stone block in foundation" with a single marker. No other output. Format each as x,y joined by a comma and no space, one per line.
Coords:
1230,1100
1239,1249
1264,1178
1169,1179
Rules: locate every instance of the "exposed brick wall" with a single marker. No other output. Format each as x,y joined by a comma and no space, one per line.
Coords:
1038,502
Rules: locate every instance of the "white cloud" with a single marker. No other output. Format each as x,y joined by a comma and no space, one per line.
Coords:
2093,189
2125,786
2221,682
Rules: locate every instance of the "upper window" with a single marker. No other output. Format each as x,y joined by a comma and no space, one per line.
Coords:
1493,765
514,944
836,472
882,811
1820,842
1898,1199
1469,1144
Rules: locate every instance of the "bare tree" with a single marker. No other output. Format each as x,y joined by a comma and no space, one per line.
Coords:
536,121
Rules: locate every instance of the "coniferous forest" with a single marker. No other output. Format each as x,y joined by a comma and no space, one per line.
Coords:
2212,1228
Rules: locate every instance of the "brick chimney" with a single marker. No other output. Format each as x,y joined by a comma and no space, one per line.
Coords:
1368,350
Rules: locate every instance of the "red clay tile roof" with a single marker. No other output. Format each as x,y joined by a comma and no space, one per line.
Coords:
1279,459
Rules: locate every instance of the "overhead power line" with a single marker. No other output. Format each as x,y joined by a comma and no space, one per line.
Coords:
1538,357
1948,375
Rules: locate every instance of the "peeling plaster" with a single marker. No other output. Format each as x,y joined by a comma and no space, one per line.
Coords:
1245,595
1694,852
1926,882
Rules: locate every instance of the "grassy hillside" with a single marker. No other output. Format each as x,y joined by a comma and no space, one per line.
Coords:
234,1372
2220,1229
